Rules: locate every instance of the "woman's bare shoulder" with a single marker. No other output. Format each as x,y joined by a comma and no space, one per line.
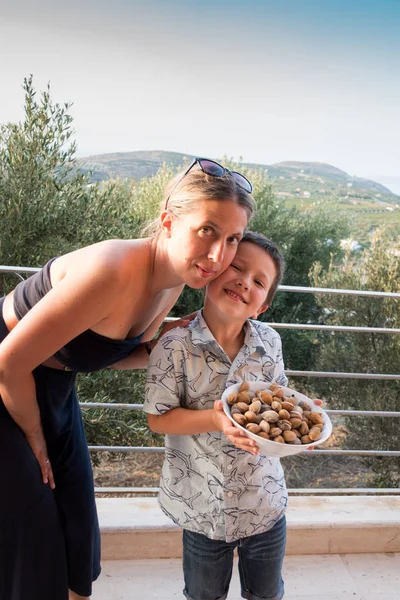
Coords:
109,258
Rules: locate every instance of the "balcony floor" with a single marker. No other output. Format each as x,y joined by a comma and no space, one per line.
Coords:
309,577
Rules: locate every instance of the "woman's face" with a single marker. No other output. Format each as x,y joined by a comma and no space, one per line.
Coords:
203,242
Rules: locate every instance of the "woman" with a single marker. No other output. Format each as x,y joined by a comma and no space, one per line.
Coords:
85,311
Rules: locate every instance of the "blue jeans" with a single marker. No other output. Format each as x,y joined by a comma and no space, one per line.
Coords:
207,565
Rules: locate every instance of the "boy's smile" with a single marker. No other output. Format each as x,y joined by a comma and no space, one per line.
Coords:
235,296
241,291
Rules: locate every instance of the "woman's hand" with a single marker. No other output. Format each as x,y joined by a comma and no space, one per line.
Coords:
234,435
39,448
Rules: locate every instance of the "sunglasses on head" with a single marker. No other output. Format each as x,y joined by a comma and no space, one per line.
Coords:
210,167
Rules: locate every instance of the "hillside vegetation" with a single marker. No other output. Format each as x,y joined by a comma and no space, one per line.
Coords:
367,204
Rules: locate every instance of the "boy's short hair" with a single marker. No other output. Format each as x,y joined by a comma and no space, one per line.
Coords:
273,251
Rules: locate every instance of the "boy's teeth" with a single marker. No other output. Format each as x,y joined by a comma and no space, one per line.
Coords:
234,295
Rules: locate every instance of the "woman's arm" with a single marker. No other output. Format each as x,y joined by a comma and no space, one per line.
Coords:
26,414
80,300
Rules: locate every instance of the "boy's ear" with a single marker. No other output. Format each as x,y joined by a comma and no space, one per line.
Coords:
262,309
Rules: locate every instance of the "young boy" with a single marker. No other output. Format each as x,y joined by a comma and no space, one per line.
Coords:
222,496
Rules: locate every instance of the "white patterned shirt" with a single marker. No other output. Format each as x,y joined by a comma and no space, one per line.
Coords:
208,485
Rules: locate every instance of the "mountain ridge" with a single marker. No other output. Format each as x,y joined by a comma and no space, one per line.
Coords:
145,163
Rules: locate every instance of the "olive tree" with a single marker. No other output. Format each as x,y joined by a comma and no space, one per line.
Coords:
377,268
40,190
49,207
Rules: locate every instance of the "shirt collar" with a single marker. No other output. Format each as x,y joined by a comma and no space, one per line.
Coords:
202,335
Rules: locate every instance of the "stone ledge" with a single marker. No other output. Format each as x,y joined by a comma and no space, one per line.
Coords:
133,528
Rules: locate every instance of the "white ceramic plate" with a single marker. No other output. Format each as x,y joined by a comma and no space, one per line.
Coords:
267,447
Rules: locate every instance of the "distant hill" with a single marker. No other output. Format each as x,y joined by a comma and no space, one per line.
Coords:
328,172
312,168
131,165
366,204
290,177
393,181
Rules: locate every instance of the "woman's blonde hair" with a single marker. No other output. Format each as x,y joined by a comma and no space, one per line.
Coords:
184,194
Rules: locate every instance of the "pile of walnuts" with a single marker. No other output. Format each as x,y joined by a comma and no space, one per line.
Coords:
272,416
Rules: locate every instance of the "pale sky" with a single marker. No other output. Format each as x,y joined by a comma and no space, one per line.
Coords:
263,80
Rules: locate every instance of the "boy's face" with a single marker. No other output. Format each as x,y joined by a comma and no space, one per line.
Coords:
241,291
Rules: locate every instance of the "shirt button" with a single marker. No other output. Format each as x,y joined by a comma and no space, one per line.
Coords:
229,467
230,494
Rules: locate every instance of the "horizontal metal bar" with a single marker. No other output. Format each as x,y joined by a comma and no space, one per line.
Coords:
363,413
291,491
126,490
117,406
312,327
348,413
282,288
313,452
126,449
4,269
358,452
339,375
343,492
316,290
291,373
333,328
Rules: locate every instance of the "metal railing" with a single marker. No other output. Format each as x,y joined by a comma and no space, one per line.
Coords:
293,373
145,491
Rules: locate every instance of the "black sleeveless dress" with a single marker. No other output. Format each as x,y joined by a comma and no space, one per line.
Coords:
50,539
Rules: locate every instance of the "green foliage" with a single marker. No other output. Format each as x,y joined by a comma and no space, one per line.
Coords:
49,207
39,189
304,237
363,216
377,269
114,427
